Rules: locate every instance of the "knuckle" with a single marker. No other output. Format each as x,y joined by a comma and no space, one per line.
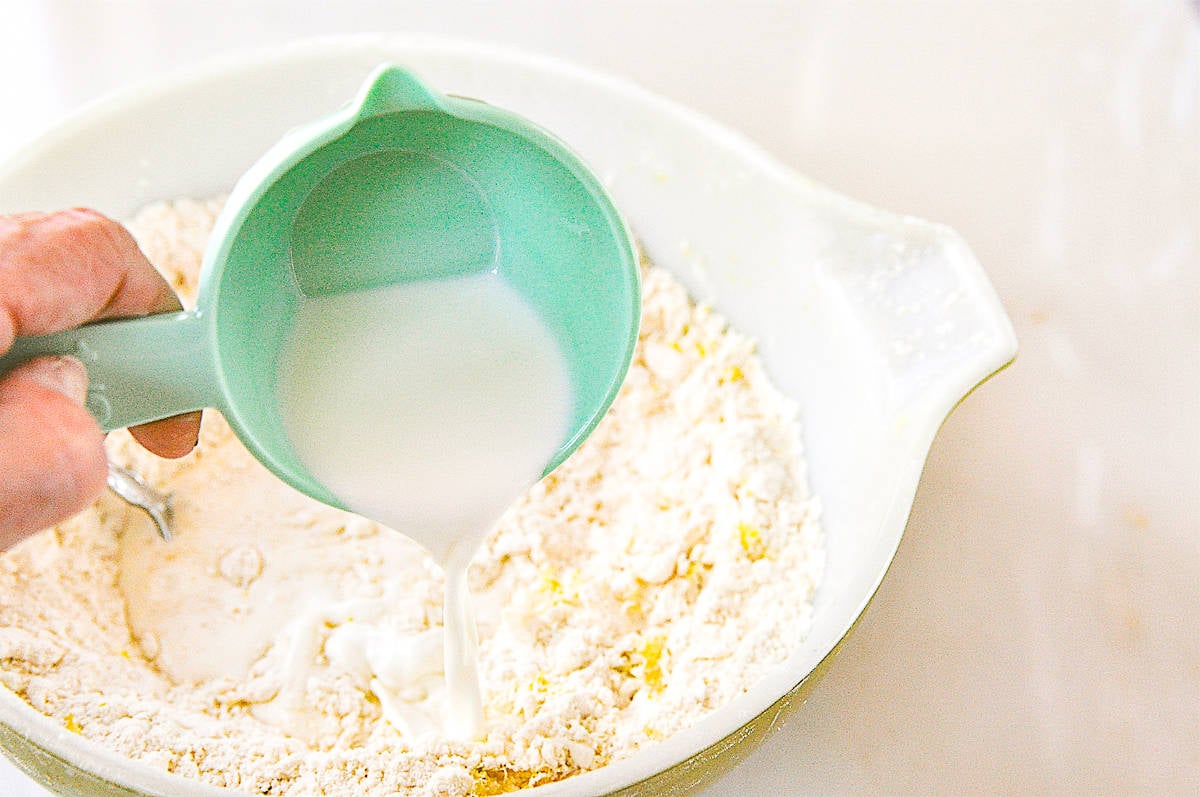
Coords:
95,225
83,229
88,216
16,229
110,240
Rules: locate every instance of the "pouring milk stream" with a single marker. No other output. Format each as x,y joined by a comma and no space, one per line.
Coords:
429,407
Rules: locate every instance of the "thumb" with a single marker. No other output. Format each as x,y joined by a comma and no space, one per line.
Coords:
52,461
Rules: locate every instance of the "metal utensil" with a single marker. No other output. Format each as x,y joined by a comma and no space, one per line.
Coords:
134,490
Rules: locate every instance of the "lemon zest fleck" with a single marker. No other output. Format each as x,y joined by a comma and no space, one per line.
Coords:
752,542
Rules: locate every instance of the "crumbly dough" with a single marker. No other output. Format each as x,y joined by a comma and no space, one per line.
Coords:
652,578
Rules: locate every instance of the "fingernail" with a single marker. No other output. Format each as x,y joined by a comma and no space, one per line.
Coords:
63,373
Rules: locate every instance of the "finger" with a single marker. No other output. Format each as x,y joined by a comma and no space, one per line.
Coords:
171,437
51,450
60,270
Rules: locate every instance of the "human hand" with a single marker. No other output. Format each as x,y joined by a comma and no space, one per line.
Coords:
59,271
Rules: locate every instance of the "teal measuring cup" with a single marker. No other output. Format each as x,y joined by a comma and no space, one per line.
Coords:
402,184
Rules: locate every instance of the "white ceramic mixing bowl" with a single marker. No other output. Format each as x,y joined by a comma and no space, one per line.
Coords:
876,324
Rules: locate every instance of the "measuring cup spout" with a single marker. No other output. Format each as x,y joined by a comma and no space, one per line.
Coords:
139,369
390,89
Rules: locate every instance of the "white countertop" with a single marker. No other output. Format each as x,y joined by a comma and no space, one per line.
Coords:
1039,631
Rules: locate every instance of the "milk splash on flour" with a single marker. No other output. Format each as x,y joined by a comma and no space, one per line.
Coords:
428,407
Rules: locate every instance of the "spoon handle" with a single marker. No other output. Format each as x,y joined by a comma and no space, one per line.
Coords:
139,369
134,490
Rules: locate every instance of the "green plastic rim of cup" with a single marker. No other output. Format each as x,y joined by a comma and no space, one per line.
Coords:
402,184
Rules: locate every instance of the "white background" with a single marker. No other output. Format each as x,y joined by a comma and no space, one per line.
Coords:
1040,629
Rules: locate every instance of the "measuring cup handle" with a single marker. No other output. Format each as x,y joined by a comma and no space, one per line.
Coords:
139,369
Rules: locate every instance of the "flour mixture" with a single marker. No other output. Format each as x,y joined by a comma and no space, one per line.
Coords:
280,647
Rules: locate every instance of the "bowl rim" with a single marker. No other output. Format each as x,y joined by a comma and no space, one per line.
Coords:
717,726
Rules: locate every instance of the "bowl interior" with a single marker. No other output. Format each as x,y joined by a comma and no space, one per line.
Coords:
876,324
